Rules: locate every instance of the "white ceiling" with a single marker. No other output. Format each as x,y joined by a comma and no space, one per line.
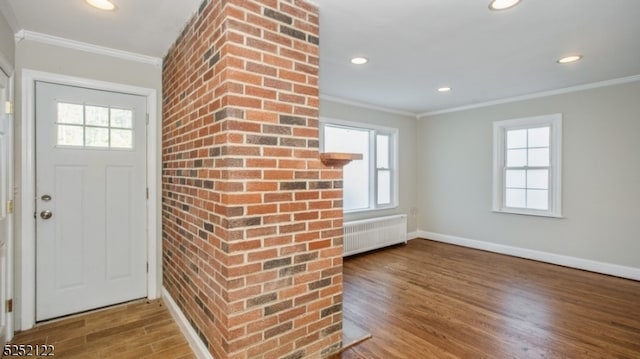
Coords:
146,27
414,46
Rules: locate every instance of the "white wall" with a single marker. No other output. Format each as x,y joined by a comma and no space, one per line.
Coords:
601,176
407,153
42,57
7,47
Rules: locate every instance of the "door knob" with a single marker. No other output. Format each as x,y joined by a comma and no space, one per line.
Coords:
46,214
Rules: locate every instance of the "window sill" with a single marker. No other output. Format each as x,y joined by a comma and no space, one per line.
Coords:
528,213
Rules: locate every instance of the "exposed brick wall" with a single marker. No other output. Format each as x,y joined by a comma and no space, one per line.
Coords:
252,220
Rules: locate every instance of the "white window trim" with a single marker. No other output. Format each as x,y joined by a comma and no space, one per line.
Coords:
555,183
394,134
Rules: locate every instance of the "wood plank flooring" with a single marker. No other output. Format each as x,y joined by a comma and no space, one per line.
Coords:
433,300
140,329
422,300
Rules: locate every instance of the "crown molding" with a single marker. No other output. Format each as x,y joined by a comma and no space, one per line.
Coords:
367,106
618,81
86,47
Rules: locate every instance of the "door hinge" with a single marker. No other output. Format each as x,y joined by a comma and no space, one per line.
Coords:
147,267
147,119
147,192
10,207
8,107
9,306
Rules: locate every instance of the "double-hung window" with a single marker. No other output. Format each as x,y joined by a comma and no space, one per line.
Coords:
527,165
370,183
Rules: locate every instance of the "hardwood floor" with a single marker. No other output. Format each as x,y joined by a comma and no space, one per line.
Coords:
433,300
140,329
422,300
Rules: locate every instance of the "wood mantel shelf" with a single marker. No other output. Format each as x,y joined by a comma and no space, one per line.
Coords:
339,159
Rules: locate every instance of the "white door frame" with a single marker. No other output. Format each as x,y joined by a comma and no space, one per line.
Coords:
28,195
6,67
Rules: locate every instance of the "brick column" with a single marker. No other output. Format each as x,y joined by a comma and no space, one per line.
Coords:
252,220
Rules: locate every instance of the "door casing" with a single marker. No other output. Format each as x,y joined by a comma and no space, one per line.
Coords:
7,69
27,244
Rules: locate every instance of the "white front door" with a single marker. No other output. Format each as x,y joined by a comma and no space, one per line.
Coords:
6,198
91,231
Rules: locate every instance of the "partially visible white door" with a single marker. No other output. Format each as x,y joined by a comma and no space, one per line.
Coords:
6,201
91,199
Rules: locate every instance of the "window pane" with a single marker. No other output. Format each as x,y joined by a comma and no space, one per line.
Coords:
539,157
517,139
97,116
515,198
367,182
384,187
340,139
356,173
538,199
539,137
516,158
382,151
121,118
515,179
527,154
70,113
97,137
538,179
70,135
356,186
122,139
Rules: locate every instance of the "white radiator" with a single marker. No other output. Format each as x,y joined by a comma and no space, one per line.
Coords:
368,234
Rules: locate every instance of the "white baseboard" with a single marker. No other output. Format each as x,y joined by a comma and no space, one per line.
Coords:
198,347
413,235
567,261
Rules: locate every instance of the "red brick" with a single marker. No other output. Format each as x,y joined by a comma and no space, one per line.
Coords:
278,152
261,232
227,116
244,318
306,236
306,196
241,198
242,101
261,162
262,209
319,244
276,218
278,175
260,255
261,186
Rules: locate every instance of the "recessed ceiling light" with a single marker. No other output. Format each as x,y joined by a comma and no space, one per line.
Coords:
444,89
502,4
569,59
359,60
102,4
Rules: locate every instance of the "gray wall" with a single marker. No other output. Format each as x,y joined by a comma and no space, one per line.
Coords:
53,59
601,176
7,47
407,154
